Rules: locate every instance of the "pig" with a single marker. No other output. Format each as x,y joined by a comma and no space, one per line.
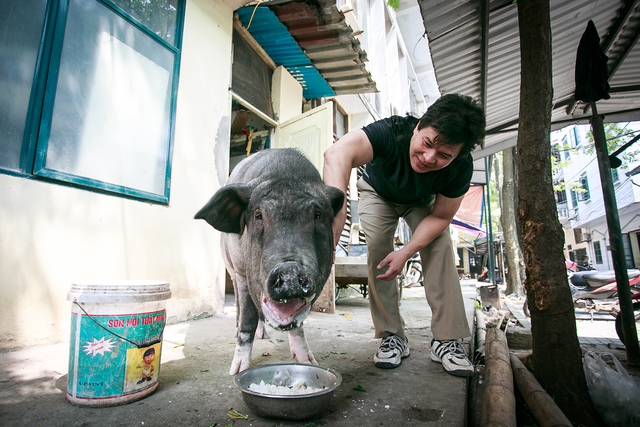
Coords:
276,216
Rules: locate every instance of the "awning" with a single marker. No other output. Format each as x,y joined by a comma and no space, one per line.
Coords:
315,44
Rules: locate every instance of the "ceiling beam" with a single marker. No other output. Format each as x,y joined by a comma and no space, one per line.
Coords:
618,26
625,52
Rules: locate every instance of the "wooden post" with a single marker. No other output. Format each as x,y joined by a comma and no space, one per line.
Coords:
498,399
541,405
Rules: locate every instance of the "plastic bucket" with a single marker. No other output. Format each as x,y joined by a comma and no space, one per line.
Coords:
116,340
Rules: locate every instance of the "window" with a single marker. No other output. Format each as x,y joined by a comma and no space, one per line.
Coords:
574,198
598,252
561,197
460,258
555,153
576,137
614,176
584,186
93,104
566,147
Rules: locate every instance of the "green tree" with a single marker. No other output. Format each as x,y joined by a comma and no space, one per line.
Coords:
557,164
557,356
617,134
394,4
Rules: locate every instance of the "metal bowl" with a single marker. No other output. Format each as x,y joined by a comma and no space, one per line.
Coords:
288,407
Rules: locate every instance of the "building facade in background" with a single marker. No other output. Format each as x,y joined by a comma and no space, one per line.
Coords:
580,202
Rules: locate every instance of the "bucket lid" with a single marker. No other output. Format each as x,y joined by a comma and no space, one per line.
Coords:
119,291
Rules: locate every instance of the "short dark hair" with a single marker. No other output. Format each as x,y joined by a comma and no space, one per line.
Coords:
458,119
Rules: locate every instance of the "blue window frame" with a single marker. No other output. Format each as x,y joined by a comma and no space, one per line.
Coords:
95,94
584,195
598,252
574,198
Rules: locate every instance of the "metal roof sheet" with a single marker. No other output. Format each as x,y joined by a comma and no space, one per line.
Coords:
454,33
275,39
317,31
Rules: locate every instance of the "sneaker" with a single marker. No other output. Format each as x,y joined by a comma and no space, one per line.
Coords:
391,352
452,356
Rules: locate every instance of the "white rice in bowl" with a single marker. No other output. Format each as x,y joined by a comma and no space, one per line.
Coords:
280,390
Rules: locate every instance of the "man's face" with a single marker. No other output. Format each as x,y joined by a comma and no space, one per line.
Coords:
427,153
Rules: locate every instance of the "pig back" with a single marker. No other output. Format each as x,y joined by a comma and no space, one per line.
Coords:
275,164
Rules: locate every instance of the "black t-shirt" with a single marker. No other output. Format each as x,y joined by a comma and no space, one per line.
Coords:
390,172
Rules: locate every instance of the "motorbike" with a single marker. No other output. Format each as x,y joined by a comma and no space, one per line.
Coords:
598,292
412,272
573,267
484,276
636,314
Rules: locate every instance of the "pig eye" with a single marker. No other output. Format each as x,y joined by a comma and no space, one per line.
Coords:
317,215
257,215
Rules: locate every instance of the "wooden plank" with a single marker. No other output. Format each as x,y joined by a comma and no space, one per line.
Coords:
518,314
246,35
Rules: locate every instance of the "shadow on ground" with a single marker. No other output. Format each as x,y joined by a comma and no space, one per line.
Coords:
195,388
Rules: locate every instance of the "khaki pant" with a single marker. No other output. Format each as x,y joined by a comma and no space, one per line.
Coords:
379,219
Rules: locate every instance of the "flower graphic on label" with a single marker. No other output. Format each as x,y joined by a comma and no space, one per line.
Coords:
98,347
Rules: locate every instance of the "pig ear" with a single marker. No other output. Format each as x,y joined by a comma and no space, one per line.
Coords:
225,210
337,199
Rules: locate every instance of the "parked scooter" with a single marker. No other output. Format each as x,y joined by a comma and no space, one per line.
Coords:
484,276
573,267
412,272
598,291
635,297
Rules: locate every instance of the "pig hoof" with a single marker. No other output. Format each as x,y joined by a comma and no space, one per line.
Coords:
261,331
242,357
238,366
235,368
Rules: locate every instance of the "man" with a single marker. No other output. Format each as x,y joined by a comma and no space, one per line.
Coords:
418,170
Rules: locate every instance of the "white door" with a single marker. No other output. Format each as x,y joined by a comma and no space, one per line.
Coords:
311,133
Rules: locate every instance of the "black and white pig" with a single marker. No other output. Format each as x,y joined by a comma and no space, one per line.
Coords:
276,215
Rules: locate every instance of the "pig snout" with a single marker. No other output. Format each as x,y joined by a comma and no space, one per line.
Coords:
289,280
290,292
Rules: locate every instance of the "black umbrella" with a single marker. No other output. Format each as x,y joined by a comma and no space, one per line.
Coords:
591,68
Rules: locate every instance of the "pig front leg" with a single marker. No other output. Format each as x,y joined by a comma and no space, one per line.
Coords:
247,322
299,347
261,331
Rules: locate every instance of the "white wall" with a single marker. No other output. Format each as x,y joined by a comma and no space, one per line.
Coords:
53,235
286,93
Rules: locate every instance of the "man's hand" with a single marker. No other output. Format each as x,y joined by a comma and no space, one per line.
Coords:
395,262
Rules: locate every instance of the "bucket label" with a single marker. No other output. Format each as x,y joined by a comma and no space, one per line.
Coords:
104,361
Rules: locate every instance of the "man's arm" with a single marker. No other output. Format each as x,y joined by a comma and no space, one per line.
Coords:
427,231
350,151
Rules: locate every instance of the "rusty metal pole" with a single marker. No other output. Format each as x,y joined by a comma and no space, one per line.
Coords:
615,240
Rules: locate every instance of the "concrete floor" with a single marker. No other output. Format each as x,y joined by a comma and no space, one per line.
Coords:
196,390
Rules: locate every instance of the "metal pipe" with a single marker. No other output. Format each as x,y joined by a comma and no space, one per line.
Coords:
615,240
490,252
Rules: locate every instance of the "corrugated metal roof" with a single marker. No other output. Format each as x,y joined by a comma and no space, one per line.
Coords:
454,33
275,39
321,34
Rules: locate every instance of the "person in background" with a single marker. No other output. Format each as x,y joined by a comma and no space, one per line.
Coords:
419,170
